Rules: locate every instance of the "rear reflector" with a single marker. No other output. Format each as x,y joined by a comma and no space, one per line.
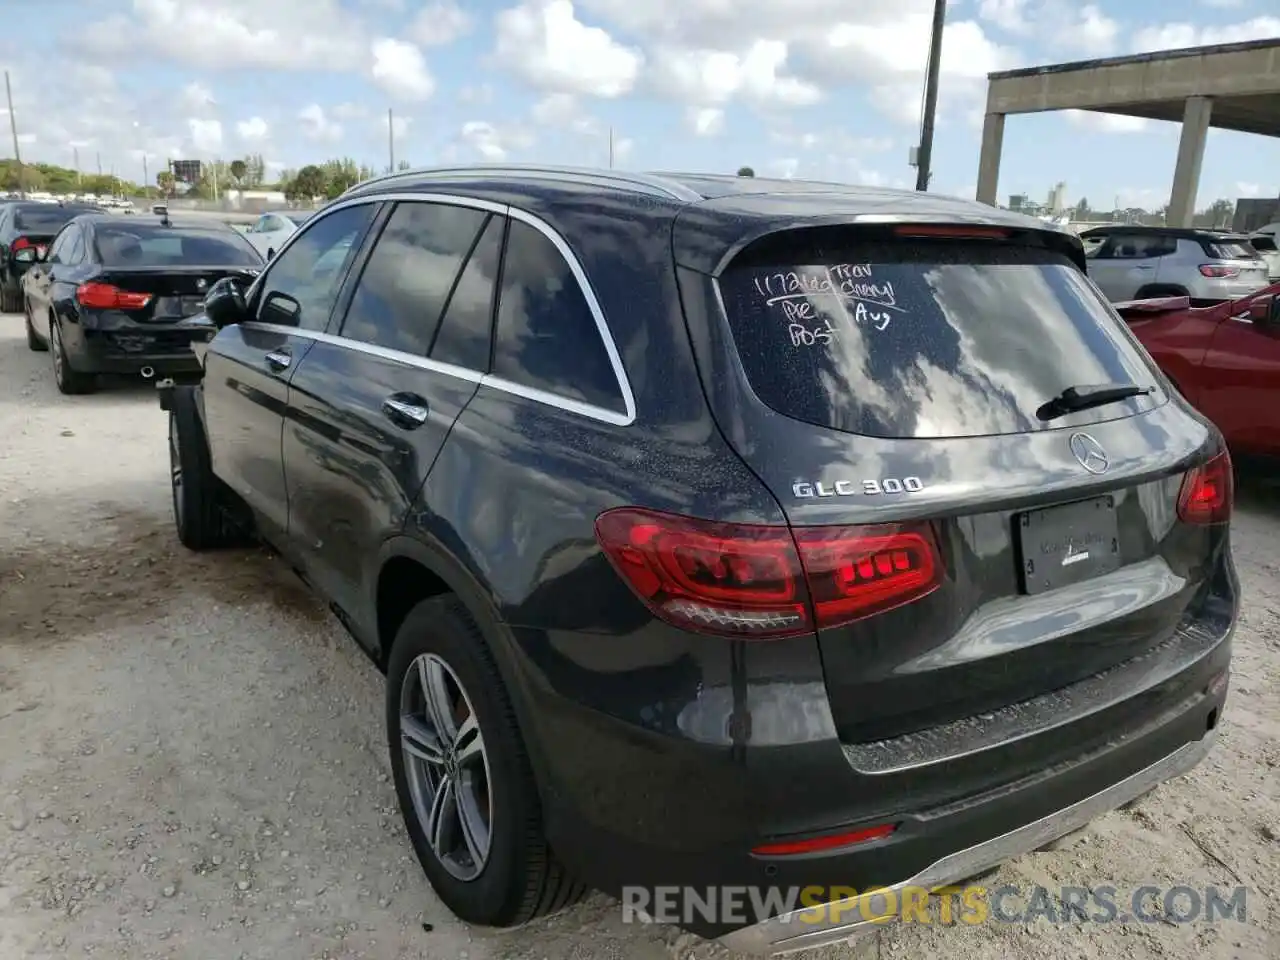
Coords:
957,232
104,296
825,844
1208,492
760,582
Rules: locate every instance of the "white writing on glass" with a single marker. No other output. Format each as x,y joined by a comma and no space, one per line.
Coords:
791,291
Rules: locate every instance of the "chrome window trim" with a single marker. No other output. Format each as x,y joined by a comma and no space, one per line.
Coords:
618,418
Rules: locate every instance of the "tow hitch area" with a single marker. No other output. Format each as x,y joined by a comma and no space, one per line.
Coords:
164,389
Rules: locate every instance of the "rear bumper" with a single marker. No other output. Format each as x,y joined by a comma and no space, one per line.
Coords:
814,927
128,352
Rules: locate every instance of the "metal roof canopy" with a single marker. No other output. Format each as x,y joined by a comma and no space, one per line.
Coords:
1233,86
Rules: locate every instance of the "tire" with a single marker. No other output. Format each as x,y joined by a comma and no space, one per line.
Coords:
10,300
33,339
520,878
69,381
197,506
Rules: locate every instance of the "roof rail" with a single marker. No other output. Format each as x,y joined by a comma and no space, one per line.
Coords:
646,183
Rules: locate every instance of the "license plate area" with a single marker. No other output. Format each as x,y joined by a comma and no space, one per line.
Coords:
177,308
1066,544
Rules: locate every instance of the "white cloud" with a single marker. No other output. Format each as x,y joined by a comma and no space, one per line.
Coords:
1247,189
400,69
317,126
439,24
206,135
1058,23
480,94
705,121
556,109
231,35
399,125
490,142
197,98
253,130
544,43
709,76
1171,36
1107,122
785,167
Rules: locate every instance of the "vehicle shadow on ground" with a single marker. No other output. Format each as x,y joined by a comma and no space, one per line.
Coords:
1258,487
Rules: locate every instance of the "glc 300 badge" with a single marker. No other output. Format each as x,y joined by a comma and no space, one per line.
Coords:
805,489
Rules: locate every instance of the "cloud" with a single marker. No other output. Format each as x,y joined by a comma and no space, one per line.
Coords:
253,130
705,121
1171,36
316,126
709,76
490,142
206,135
400,69
544,43
1107,122
439,24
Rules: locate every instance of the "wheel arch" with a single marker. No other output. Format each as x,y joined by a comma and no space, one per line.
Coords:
412,569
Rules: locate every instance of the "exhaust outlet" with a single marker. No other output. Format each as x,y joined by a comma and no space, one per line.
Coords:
148,373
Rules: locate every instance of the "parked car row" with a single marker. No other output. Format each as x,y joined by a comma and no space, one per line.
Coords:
718,530
123,296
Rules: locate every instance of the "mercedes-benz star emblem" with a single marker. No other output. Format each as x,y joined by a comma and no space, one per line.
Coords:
1090,453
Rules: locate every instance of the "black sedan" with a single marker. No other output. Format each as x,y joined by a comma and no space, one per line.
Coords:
123,296
27,225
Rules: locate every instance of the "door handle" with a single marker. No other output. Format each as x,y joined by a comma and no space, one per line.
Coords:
278,360
405,412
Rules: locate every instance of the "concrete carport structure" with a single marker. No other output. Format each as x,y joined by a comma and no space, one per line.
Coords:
1234,86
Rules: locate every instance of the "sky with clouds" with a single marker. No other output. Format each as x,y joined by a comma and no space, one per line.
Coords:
826,89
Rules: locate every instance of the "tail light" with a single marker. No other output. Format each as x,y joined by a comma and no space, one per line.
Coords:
1208,492
105,296
1218,272
759,582
22,243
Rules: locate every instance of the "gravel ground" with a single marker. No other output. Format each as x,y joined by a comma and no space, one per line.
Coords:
192,761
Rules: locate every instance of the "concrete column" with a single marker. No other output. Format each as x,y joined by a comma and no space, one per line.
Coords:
1186,175
989,159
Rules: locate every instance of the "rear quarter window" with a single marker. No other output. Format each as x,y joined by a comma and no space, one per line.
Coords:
926,340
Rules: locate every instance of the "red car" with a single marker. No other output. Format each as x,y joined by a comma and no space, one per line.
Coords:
1225,360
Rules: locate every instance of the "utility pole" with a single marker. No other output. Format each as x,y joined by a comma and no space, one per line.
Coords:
13,129
925,156
98,155
391,143
75,152
146,176
611,148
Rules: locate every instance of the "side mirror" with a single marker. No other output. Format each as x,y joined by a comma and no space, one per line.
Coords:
224,304
282,309
25,255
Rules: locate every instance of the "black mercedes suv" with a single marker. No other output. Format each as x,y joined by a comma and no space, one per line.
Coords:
716,531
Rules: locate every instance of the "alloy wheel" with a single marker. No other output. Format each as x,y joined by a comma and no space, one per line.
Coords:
446,766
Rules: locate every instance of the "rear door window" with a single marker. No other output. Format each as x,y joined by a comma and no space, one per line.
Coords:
1232,250
926,339
547,335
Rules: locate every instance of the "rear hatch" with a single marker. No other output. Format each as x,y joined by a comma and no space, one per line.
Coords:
1237,263
869,376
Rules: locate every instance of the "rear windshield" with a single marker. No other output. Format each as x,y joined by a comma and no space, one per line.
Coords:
1263,244
143,245
48,219
927,340
1232,250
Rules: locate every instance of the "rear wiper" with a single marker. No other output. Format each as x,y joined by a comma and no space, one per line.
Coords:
1074,399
